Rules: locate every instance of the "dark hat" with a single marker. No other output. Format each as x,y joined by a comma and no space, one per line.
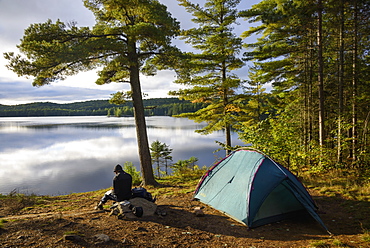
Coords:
118,168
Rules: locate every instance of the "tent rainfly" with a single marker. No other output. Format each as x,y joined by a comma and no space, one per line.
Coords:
255,190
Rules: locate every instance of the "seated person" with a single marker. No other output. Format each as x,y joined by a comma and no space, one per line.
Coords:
122,186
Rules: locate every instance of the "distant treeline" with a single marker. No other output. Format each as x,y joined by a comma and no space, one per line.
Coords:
155,106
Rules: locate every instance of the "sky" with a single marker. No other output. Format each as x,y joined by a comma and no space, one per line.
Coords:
17,15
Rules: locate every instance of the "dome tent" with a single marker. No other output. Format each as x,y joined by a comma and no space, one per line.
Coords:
255,190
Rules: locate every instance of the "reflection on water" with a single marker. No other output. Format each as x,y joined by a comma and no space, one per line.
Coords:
59,155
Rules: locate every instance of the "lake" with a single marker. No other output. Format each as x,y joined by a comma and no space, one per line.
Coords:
62,155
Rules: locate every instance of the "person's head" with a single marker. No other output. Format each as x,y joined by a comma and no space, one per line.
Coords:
117,169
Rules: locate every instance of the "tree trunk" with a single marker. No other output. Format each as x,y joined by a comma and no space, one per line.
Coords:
141,133
340,83
354,86
228,137
320,77
226,102
311,97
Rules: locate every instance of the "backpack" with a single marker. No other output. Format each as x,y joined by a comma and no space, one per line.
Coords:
142,193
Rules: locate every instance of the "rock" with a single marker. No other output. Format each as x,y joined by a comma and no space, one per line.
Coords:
102,237
149,208
72,237
198,212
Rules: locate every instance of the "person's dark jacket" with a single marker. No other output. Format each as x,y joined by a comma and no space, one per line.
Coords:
122,186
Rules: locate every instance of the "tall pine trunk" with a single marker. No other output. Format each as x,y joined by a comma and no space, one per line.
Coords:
141,132
354,85
227,126
340,82
320,77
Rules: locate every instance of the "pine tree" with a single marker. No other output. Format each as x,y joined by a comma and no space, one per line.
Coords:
312,52
209,75
160,153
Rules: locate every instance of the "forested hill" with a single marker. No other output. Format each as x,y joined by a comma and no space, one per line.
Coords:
155,106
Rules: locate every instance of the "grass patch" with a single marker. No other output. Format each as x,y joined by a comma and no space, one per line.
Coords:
14,202
338,243
68,208
342,183
366,236
62,200
74,233
98,193
2,221
174,185
319,244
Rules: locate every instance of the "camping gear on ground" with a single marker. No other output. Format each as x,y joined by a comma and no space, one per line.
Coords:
254,190
125,207
143,193
130,209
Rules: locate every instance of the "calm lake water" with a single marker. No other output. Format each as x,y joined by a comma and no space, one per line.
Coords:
61,155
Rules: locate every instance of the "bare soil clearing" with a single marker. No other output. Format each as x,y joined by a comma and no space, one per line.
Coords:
47,224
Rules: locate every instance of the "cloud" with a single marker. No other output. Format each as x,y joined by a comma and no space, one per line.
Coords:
17,15
23,92
81,87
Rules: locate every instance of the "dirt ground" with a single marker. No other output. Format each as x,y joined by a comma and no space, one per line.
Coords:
71,221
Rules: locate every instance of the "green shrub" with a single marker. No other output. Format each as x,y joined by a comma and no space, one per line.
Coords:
131,169
18,201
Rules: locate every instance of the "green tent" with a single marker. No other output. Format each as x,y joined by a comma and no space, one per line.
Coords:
253,189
